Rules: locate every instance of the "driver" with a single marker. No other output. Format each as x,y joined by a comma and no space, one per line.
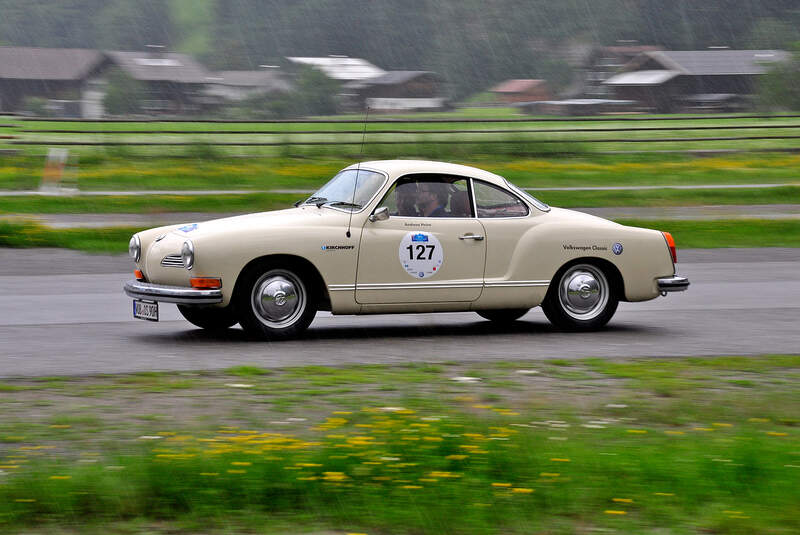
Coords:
432,198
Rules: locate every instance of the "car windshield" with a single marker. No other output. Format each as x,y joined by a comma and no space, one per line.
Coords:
352,188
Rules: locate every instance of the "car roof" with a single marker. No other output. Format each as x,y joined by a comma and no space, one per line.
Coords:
397,168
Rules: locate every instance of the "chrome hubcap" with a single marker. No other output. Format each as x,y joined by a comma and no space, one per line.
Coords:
583,292
278,298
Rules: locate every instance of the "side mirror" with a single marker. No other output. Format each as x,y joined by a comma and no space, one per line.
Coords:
381,214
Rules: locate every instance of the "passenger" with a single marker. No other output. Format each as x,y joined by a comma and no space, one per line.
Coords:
406,199
432,198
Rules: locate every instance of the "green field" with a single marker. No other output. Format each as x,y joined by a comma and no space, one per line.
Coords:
689,445
441,139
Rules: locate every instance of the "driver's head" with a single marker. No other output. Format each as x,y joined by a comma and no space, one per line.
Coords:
433,190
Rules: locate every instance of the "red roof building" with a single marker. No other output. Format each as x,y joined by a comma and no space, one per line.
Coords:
524,90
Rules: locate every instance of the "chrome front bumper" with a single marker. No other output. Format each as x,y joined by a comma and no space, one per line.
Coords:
672,284
171,294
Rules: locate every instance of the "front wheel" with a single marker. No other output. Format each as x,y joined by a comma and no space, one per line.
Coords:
506,315
582,299
275,303
209,318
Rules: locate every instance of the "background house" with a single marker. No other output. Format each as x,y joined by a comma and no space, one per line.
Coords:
667,80
173,83
235,86
60,74
396,91
340,68
521,90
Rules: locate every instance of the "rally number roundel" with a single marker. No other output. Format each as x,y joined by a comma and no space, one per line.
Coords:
421,254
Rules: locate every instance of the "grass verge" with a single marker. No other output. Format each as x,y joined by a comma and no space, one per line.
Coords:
558,446
688,234
126,171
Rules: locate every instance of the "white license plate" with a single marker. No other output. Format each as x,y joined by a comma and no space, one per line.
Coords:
145,310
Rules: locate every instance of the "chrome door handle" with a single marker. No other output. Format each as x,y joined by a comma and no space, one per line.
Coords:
476,237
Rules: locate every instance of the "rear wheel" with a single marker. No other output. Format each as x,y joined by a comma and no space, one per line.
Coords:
503,316
209,318
583,298
275,303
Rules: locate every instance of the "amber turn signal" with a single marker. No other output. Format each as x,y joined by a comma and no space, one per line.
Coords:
206,283
138,274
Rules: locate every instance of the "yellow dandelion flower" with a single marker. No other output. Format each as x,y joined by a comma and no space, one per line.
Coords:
237,471
427,480
674,432
342,412
411,487
25,500
549,474
776,434
456,457
663,494
732,512
758,420
719,424
521,490
209,474
614,512
60,426
241,463
60,477
481,406
560,460
637,431
622,500
703,428
501,484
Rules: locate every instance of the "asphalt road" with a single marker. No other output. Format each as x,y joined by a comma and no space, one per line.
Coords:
64,313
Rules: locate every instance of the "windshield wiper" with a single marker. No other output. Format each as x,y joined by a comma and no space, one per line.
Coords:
319,201
345,204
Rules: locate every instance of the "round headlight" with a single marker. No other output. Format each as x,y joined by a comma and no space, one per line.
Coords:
187,254
135,248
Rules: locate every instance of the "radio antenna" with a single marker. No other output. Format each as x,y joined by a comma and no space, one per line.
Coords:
358,170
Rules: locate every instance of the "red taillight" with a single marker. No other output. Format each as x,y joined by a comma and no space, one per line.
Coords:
206,283
671,245
138,274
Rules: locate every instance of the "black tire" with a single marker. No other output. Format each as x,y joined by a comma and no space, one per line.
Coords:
505,315
209,318
275,303
583,298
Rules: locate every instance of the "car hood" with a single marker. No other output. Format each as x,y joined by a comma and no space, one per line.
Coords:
291,217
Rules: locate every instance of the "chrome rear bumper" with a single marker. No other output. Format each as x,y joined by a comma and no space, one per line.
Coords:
672,284
171,294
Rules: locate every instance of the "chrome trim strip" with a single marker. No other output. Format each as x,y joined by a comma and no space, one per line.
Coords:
672,284
341,287
171,294
437,286
515,284
417,286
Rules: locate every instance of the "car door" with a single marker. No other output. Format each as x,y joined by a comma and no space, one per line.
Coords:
423,253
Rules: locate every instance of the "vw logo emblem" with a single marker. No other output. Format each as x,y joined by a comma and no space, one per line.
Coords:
617,248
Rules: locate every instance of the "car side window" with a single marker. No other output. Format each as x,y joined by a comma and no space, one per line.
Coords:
492,201
428,195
